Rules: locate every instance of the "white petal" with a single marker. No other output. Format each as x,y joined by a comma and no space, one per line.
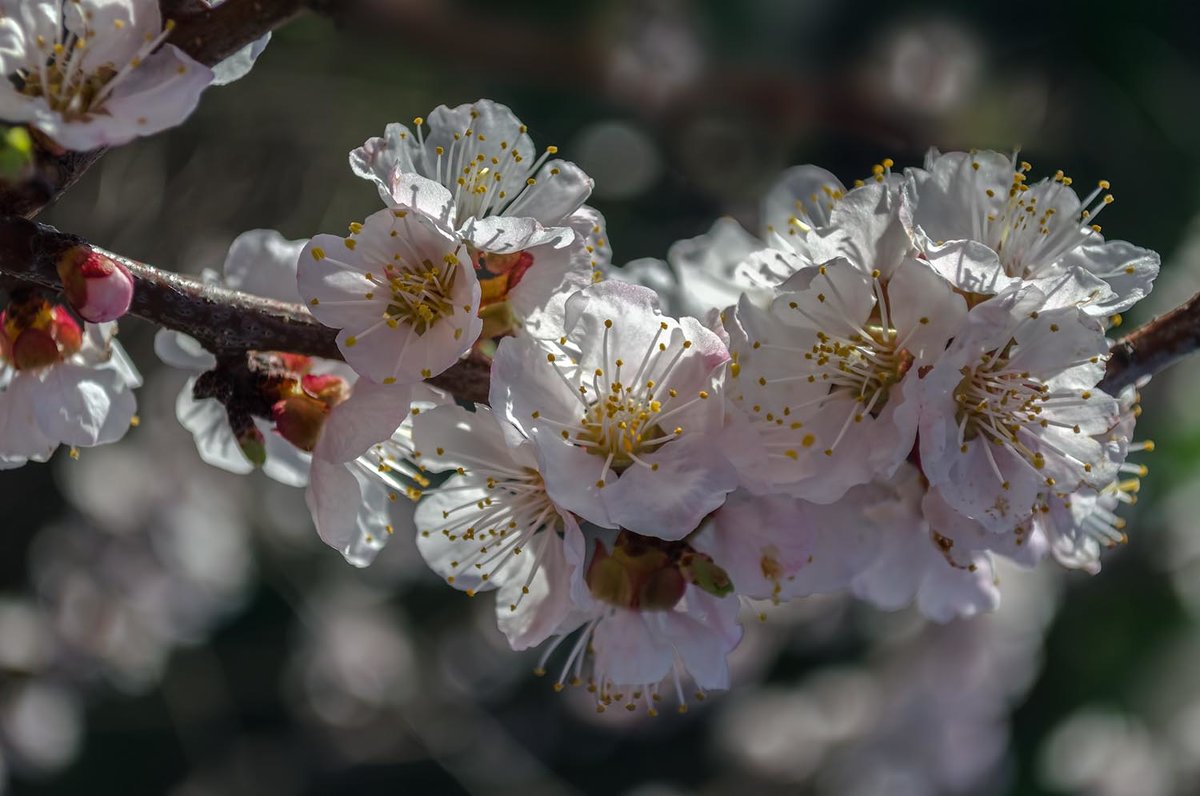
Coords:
263,262
209,425
971,267
370,415
378,159
1130,272
449,437
333,497
629,651
159,94
21,437
238,65
75,402
706,267
285,463
802,192
691,481
701,646
543,602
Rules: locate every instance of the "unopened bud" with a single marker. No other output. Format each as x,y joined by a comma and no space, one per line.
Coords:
98,287
704,574
328,389
299,419
34,348
251,441
662,590
608,580
67,331
35,333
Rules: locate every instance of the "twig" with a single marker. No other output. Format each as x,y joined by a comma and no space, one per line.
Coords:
1154,347
222,320
228,321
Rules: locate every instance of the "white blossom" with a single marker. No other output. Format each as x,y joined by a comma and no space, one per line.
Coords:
639,628
825,381
985,227
1010,411
94,73
503,197
1079,526
492,525
60,383
400,288
625,432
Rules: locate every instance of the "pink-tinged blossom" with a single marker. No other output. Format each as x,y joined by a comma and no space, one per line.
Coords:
641,626
823,389
1011,412
504,198
624,432
401,290
94,73
917,565
779,548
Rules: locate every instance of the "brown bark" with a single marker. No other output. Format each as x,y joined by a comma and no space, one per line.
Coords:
1154,347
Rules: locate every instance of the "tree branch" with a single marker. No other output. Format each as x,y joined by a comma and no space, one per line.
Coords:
211,35
229,322
1154,347
224,321
207,34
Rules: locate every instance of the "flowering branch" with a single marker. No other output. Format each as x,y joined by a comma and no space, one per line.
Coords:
222,320
227,321
206,34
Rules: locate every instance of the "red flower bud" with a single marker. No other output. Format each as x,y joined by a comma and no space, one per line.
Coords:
35,333
251,441
66,331
299,419
329,389
98,287
295,363
34,348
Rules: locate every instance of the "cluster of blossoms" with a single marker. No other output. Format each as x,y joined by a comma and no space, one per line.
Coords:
891,385
894,384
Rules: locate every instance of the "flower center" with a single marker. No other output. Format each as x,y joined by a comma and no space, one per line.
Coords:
621,425
74,90
1001,406
865,365
1029,232
421,295
622,420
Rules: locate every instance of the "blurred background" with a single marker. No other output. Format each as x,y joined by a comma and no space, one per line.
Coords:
167,628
